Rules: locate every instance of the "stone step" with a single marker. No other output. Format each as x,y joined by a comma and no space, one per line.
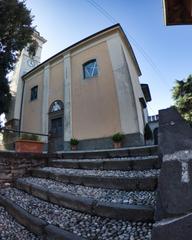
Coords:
66,196
108,153
124,180
122,163
147,198
11,229
76,223
33,223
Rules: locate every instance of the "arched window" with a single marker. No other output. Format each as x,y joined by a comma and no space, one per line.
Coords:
56,106
90,69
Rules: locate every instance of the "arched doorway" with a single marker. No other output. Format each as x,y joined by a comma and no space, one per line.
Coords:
56,124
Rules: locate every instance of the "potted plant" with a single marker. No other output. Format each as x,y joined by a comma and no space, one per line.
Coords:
117,140
29,143
74,142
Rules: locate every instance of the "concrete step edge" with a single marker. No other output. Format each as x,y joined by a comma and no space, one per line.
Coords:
123,183
34,224
90,206
122,152
102,164
135,158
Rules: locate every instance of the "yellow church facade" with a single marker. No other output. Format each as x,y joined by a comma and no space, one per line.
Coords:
88,91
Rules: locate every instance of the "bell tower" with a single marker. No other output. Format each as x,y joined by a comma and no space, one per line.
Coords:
24,64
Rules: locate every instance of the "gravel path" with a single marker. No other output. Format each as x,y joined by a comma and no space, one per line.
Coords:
103,173
104,195
11,230
85,225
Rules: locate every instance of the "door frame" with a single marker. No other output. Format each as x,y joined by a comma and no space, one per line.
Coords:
54,115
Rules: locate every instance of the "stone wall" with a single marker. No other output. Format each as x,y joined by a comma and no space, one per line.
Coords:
130,140
174,201
14,165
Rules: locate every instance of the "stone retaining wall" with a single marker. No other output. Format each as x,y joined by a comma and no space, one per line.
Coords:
14,165
174,202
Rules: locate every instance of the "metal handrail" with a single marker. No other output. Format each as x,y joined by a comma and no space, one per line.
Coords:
18,131
18,134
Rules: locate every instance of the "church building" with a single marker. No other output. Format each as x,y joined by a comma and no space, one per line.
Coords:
88,91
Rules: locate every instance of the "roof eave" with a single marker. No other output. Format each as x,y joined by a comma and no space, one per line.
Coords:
70,47
146,92
116,26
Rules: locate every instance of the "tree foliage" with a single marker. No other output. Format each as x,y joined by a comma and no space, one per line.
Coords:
182,95
15,33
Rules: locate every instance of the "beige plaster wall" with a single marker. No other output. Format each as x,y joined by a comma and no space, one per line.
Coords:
56,81
94,102
32,110
95,111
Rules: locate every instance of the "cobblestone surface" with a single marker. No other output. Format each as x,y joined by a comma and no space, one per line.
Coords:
104,173
85,225
104,195
11,230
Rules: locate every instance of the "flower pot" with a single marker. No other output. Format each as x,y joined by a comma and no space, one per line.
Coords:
73,147
29,146
117,144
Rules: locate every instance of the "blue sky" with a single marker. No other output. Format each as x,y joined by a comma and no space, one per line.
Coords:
167,50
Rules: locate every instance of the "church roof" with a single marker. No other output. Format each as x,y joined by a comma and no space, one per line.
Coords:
113,27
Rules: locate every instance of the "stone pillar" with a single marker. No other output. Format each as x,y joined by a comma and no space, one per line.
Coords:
67,98
45,102
18,99
174,201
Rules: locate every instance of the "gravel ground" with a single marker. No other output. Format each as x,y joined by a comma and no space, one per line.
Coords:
11,230
104,195
103,173
85,225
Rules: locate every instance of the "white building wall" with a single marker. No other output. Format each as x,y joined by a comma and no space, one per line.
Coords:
136,87
22,67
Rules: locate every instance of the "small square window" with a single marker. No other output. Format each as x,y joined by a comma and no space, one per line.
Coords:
34,91
90,69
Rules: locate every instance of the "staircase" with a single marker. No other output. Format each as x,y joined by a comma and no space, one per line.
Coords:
86,195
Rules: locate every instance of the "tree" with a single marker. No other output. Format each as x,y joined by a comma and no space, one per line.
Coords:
15,33
182,95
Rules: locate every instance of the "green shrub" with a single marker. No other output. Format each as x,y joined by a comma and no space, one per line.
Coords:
74,141
9,139
27,136
118,137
